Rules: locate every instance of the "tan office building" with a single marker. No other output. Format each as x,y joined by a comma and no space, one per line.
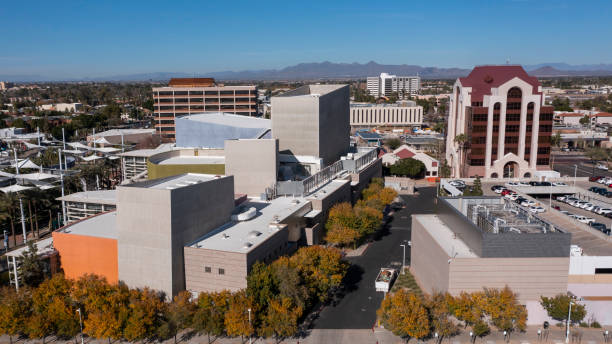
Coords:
184,96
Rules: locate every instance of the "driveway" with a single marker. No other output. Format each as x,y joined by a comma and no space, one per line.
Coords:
357,309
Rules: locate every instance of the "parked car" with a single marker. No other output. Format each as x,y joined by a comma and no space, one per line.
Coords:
536,209
585,205
604,211
589,207
556,207
545,184
602,167
528,203
594,209
535,184
520,200
559,184
595,178
561,198
565,212
505,192
512,184
585,219
523,184
512,196
598,226
497,188
608,215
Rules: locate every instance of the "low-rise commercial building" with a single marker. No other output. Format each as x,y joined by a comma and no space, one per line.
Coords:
121,136
405,152
407,115
62,107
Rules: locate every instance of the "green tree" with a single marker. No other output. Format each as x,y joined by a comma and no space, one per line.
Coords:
178,316
558,307
393,143
562,104
290,282
586,120
32,266
410,167
445,170
555,140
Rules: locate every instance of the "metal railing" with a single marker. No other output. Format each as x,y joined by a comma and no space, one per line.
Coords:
366,159
322,177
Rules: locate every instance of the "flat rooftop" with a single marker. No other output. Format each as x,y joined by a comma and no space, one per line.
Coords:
311,90
145,153
328,189
452,245
232,120
244,236
97,197
44,246
175,182
119,132
100,226
193,160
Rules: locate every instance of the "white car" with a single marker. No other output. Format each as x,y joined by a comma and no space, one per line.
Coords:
602,167
512,196
595,209
590,207
604,211
561,198
523,184
585,219
512,183
499,190
559,184
579,204
565,212
528,203
586,205
536,209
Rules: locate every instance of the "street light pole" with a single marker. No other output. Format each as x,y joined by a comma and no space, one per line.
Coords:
249,326
404,258
575,170
80,323
569,318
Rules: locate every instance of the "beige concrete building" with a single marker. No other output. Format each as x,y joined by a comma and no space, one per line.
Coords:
473,243
184,96
157,218
313,120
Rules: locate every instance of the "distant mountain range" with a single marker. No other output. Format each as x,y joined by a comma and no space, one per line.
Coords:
337,71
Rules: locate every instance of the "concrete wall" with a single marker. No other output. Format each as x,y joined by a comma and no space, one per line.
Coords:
428,261
253,163
530,278
82,254
308,122
361,179
161,171
236,265
155,224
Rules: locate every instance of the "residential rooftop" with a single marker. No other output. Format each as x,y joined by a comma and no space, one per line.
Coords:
145,153
244,236
101,226
192,160
119,132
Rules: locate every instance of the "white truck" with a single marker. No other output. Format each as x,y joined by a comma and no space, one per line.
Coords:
385,279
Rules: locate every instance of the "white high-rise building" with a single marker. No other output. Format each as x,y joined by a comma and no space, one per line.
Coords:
385,84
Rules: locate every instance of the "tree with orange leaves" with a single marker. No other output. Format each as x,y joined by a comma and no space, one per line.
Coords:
405,315
281,319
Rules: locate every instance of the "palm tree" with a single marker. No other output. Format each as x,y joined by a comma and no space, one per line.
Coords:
461,140
8,204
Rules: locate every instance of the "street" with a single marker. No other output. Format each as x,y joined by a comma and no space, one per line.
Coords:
564,164
357,309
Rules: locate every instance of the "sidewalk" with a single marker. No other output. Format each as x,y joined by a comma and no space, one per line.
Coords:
380,336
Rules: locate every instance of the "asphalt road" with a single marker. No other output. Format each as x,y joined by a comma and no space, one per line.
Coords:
357,308
564,164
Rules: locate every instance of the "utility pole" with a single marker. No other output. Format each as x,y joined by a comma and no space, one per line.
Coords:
403,259
63,139
63,202
23,226
569,318
16,161
80,323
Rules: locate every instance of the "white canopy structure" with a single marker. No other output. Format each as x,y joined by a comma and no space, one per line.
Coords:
113,157
102,141
27,163
37,176
78,145
74,151
32,146
107,150
91,158
6,174
14,188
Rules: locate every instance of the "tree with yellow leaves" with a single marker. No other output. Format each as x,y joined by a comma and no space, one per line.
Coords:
341,235
405,315
237,317
281,319
211,309
468,307
108,313
440,312
145,309
504,310
15,308
321,268
178,316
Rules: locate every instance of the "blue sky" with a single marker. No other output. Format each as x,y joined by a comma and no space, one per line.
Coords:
100,38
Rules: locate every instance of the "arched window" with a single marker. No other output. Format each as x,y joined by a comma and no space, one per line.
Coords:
530,106
497,106
494,175
515,92
527,175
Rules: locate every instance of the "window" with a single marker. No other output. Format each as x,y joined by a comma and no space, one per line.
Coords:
207,269
513,117
543,150
477,162
530,106
221,271
480,117
529,128
527,151
546,128
496,128
511,139
479,140
476,103
543,161
497,106
512,128
603,270
529,117
515,92
546,117
479,128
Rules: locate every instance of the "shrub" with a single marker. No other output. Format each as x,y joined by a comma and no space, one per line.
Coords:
595,324
583,324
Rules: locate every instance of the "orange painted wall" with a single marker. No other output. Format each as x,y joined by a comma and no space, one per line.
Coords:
81,254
